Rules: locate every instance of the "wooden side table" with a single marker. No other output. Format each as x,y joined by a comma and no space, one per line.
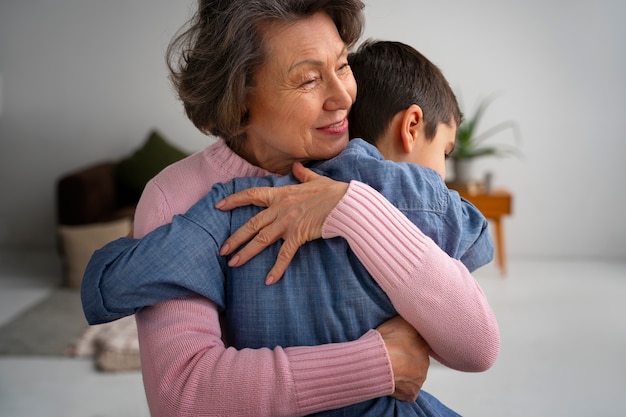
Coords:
493,206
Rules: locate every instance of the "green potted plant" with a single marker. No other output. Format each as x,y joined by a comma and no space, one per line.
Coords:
470,144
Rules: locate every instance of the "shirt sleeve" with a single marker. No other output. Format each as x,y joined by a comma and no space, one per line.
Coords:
428,288
472,244
188,371
174,260
164,264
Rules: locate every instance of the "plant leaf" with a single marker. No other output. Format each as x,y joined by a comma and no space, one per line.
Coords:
468,142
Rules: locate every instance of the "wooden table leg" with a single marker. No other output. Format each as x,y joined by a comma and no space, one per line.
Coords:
500,254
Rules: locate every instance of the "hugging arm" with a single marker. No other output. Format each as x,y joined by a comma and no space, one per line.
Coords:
428,288
189,372
162,268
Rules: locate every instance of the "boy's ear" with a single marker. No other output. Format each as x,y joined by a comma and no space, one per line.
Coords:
412,122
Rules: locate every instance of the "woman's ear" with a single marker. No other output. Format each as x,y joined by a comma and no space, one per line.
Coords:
412,124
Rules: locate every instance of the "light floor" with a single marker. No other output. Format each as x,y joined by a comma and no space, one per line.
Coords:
563,327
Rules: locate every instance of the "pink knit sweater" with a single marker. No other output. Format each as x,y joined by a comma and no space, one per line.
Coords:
188,371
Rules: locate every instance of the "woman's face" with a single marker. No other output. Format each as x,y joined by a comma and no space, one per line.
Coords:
298,110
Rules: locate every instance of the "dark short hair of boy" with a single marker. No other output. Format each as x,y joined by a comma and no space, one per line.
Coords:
391,76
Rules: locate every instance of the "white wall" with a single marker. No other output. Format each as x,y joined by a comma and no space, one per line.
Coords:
560,67
85,80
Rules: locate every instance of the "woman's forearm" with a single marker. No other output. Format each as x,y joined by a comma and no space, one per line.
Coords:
188,371
429,289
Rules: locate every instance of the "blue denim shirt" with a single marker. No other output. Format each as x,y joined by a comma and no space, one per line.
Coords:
326,295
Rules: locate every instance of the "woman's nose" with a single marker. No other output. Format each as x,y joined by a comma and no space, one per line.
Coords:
340,94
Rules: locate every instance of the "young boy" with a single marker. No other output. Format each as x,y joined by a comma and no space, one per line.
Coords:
327,294
411,114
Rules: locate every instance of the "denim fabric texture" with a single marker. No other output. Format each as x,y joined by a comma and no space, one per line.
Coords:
326,295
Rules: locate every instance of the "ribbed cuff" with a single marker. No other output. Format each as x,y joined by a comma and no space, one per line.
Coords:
341,374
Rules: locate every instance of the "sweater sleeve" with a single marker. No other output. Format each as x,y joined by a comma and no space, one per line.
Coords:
189,372
429,289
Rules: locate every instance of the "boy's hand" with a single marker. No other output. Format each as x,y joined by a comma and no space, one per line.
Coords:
294,213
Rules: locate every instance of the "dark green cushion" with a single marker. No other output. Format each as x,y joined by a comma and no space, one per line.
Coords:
136,170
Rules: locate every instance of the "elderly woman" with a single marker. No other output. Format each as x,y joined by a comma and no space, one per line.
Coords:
271,78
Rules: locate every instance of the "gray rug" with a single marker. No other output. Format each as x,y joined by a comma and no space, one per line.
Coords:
46,329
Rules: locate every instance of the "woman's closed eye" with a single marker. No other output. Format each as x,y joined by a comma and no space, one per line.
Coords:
308,79
309,83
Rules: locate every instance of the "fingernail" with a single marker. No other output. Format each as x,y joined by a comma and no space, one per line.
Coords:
224,249
220,204
269,280
234,260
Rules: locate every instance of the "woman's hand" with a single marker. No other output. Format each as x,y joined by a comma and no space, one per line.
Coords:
294,213
408,353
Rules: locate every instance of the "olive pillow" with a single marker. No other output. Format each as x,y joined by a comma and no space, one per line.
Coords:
135,171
